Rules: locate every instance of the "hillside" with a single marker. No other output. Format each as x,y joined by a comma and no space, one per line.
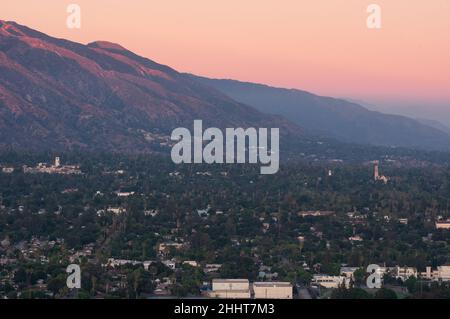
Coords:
335,118
59,94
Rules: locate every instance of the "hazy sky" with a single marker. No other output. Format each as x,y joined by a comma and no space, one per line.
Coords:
323,46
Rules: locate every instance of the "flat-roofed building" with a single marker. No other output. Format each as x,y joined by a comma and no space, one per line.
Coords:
230,289
327,281
316,213
272,290
230,284
230,294
443,225
211,268
442,273
164,248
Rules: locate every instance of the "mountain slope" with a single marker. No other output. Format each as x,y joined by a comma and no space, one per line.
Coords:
436,124
334,118
59,94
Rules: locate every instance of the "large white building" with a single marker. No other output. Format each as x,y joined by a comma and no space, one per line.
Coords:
272,290
230,289
56,168
242,289
443,225
442,273
327,281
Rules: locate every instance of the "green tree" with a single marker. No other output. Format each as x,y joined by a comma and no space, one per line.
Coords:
385,293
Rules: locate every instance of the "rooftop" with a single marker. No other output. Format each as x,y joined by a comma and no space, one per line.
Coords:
230,281
272,284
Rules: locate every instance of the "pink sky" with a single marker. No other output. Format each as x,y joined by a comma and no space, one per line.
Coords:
321,46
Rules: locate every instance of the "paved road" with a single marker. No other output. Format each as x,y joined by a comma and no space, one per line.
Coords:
303,293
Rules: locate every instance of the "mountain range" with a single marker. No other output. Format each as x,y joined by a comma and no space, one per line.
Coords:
337,118
59,94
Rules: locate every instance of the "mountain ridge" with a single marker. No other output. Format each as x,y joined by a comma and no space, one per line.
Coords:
333,117
59,93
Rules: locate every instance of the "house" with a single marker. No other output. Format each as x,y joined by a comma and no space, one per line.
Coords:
355,238
164,248
124,194
212,268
